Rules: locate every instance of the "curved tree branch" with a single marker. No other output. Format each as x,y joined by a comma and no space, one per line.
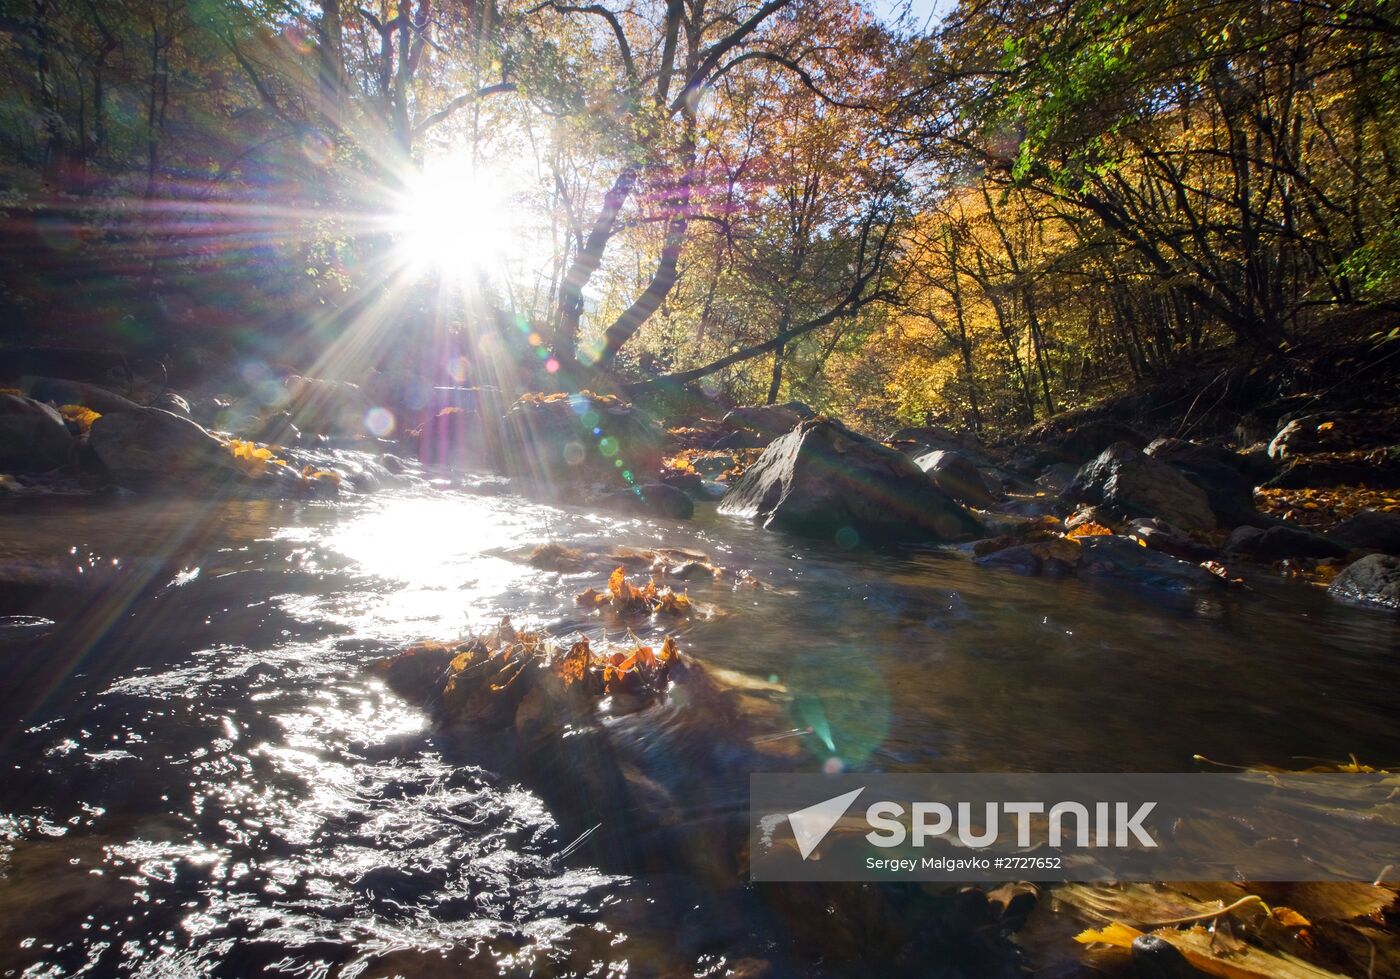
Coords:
597,10
465,99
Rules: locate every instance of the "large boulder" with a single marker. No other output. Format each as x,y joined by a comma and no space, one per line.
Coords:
1337,431
33,437
562,439
1277,543
823,480
1224,475
1128,479
1371,530
955,475
1374,580
151,446
767,421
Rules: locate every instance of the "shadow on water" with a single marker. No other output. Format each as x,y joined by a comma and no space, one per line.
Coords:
202,779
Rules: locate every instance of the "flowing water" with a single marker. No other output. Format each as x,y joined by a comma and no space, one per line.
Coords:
201,778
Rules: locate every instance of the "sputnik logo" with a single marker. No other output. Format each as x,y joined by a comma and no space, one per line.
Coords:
810,825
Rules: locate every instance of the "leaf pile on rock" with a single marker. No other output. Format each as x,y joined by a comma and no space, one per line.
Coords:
509,677
80,416
721,465
626,598
604,400
1322,508
259,460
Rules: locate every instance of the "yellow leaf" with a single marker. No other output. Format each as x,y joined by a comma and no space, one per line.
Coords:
79,415
1115,933
1089,529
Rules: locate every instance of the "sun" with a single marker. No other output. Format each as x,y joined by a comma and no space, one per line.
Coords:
452,218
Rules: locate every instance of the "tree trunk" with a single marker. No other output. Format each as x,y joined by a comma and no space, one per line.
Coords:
587,262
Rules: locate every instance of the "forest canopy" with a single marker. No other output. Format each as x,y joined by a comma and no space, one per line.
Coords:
983,215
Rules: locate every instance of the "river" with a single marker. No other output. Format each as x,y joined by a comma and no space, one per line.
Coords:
201,778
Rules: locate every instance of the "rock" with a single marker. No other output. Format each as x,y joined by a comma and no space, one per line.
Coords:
276,429
1068,440
1336,432
656,499
823,480
324,407
1379,468
150,445
59,392
1124,558
1277,543
1053,558
925,438
1037,506
90,366
740,440
1132,481
564,439
690,483
1162,536
767,421
1057,476
458,438
1374,580
171,402
1087,515
1156,958
1371,530
33,437
958,477
1223,474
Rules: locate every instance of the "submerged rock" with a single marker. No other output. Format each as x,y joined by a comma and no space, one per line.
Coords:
1156,958
1277,543
1374,580
1053,558
955,475
1126,559
823,480
150,445
1132,481
33,437
562,439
